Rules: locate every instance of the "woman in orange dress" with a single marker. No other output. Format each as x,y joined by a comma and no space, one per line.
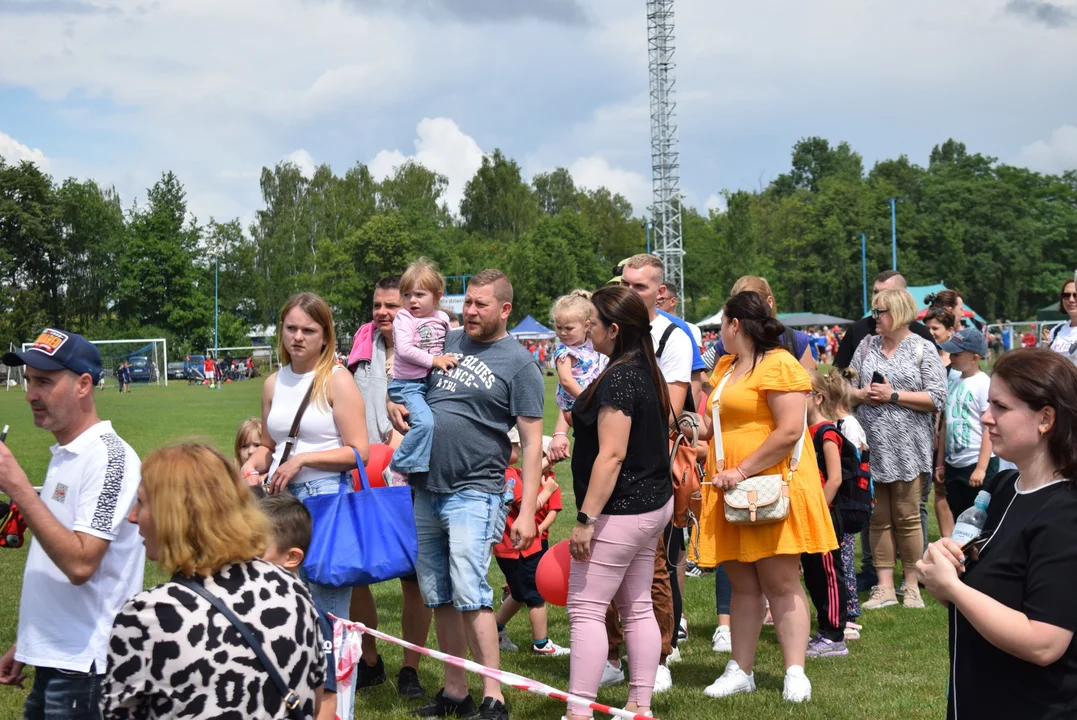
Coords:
761,411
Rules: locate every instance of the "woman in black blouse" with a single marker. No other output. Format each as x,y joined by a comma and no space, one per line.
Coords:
1012,612
624,496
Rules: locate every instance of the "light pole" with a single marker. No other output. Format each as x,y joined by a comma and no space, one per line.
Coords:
216,310
864,268
893,230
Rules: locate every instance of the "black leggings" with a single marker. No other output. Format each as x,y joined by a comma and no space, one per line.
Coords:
674,538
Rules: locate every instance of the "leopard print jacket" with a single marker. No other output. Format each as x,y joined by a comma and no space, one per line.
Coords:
172,655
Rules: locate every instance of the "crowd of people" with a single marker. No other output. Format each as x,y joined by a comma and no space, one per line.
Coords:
797,462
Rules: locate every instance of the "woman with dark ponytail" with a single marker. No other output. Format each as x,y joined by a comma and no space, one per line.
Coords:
620,471
761,409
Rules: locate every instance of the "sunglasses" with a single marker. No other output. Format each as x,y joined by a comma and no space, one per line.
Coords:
877,313
1069,296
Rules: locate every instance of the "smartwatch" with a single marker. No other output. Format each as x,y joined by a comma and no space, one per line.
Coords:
584,519
894,397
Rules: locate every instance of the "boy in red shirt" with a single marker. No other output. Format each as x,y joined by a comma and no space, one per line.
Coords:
519,566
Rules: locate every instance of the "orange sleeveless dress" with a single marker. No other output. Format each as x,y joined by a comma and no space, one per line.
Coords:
746,423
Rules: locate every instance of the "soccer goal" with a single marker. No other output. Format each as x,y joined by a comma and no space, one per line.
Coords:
13,376
147,358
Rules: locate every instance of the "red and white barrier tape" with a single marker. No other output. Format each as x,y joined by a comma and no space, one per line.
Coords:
505,678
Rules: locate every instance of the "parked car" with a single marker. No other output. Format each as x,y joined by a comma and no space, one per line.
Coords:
142,370
177,370
194,365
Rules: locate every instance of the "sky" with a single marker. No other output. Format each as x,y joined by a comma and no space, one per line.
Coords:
214,90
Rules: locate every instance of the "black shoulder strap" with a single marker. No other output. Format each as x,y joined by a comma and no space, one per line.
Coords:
665,337
293,433
290,697
1056,331
1000,479
789,340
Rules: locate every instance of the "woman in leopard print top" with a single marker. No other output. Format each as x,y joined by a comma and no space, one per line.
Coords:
172,655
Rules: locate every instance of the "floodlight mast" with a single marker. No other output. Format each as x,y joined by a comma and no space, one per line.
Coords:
665,157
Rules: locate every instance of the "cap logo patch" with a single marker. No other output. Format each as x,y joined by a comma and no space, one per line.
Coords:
49,341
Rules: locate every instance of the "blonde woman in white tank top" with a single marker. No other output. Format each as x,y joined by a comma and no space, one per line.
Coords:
333,423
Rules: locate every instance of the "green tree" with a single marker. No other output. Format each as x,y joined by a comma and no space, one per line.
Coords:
497,203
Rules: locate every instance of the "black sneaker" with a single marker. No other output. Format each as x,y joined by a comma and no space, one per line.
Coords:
492,709
408,685
444,707
369,675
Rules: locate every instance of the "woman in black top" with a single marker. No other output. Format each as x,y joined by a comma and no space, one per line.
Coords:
1012,612
620,470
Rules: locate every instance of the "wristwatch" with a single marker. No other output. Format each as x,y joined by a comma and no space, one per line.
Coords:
584,519
894,397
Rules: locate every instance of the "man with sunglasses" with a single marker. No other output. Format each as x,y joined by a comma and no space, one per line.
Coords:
865,327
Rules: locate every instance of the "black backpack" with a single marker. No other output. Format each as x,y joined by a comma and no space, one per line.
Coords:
852,504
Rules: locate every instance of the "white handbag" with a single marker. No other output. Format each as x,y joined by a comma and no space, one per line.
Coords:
760,499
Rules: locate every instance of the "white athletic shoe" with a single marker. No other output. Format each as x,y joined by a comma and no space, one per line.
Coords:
682,632
551,649
732,681
663,680
673,657
612,675
504,643
722,641
797,686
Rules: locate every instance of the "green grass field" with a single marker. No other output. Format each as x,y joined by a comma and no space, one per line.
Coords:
898,670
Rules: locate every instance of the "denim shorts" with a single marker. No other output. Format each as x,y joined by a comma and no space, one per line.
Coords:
64,694
457,533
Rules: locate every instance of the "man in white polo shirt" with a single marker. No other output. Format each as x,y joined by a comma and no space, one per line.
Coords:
85,560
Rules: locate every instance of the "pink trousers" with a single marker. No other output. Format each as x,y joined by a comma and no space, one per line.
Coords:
621,568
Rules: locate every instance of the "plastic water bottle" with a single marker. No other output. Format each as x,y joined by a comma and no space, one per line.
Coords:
972,521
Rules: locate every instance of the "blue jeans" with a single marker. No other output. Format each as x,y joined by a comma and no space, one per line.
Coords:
723,590
333,600
413,454
64,695
457,533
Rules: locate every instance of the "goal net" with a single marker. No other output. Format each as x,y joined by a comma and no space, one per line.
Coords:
146,358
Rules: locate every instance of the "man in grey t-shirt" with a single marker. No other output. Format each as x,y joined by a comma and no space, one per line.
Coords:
459,511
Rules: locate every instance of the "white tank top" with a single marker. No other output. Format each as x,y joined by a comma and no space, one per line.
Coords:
317,430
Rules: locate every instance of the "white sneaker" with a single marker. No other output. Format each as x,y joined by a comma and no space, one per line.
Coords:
504,643
673,657
732,681
612,675
682,633
722,641
663,680
797,686
550,649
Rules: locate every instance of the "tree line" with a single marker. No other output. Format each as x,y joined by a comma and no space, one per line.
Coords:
72,255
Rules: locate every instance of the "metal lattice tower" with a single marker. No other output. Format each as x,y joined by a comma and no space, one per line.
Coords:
665,157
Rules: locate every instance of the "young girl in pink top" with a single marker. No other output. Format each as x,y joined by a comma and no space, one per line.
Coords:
419,337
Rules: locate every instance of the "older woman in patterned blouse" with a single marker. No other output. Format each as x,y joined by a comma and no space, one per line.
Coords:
900,385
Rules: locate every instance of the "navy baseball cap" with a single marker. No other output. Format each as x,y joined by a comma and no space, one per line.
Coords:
966,340
58,350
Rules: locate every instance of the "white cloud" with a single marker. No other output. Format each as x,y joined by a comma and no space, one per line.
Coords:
440,146
716,202
595,171
302,160
1055,155
15,152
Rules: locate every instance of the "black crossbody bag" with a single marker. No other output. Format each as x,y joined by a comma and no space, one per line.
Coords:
290,697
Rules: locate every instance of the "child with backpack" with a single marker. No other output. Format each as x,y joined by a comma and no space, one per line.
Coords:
833,396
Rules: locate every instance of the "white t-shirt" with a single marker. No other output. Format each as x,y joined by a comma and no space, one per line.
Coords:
697,334
1065,342
965,406
317,430
676,360
90,487
853,431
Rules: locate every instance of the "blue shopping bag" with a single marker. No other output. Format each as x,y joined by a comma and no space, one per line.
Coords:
362,537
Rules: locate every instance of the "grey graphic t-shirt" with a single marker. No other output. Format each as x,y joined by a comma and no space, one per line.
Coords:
474,406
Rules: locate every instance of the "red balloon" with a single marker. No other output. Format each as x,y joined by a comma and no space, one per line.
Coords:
551,576
379,458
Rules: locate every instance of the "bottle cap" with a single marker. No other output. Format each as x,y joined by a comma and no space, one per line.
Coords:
983,499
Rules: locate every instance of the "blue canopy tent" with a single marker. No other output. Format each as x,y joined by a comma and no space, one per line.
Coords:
531,329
